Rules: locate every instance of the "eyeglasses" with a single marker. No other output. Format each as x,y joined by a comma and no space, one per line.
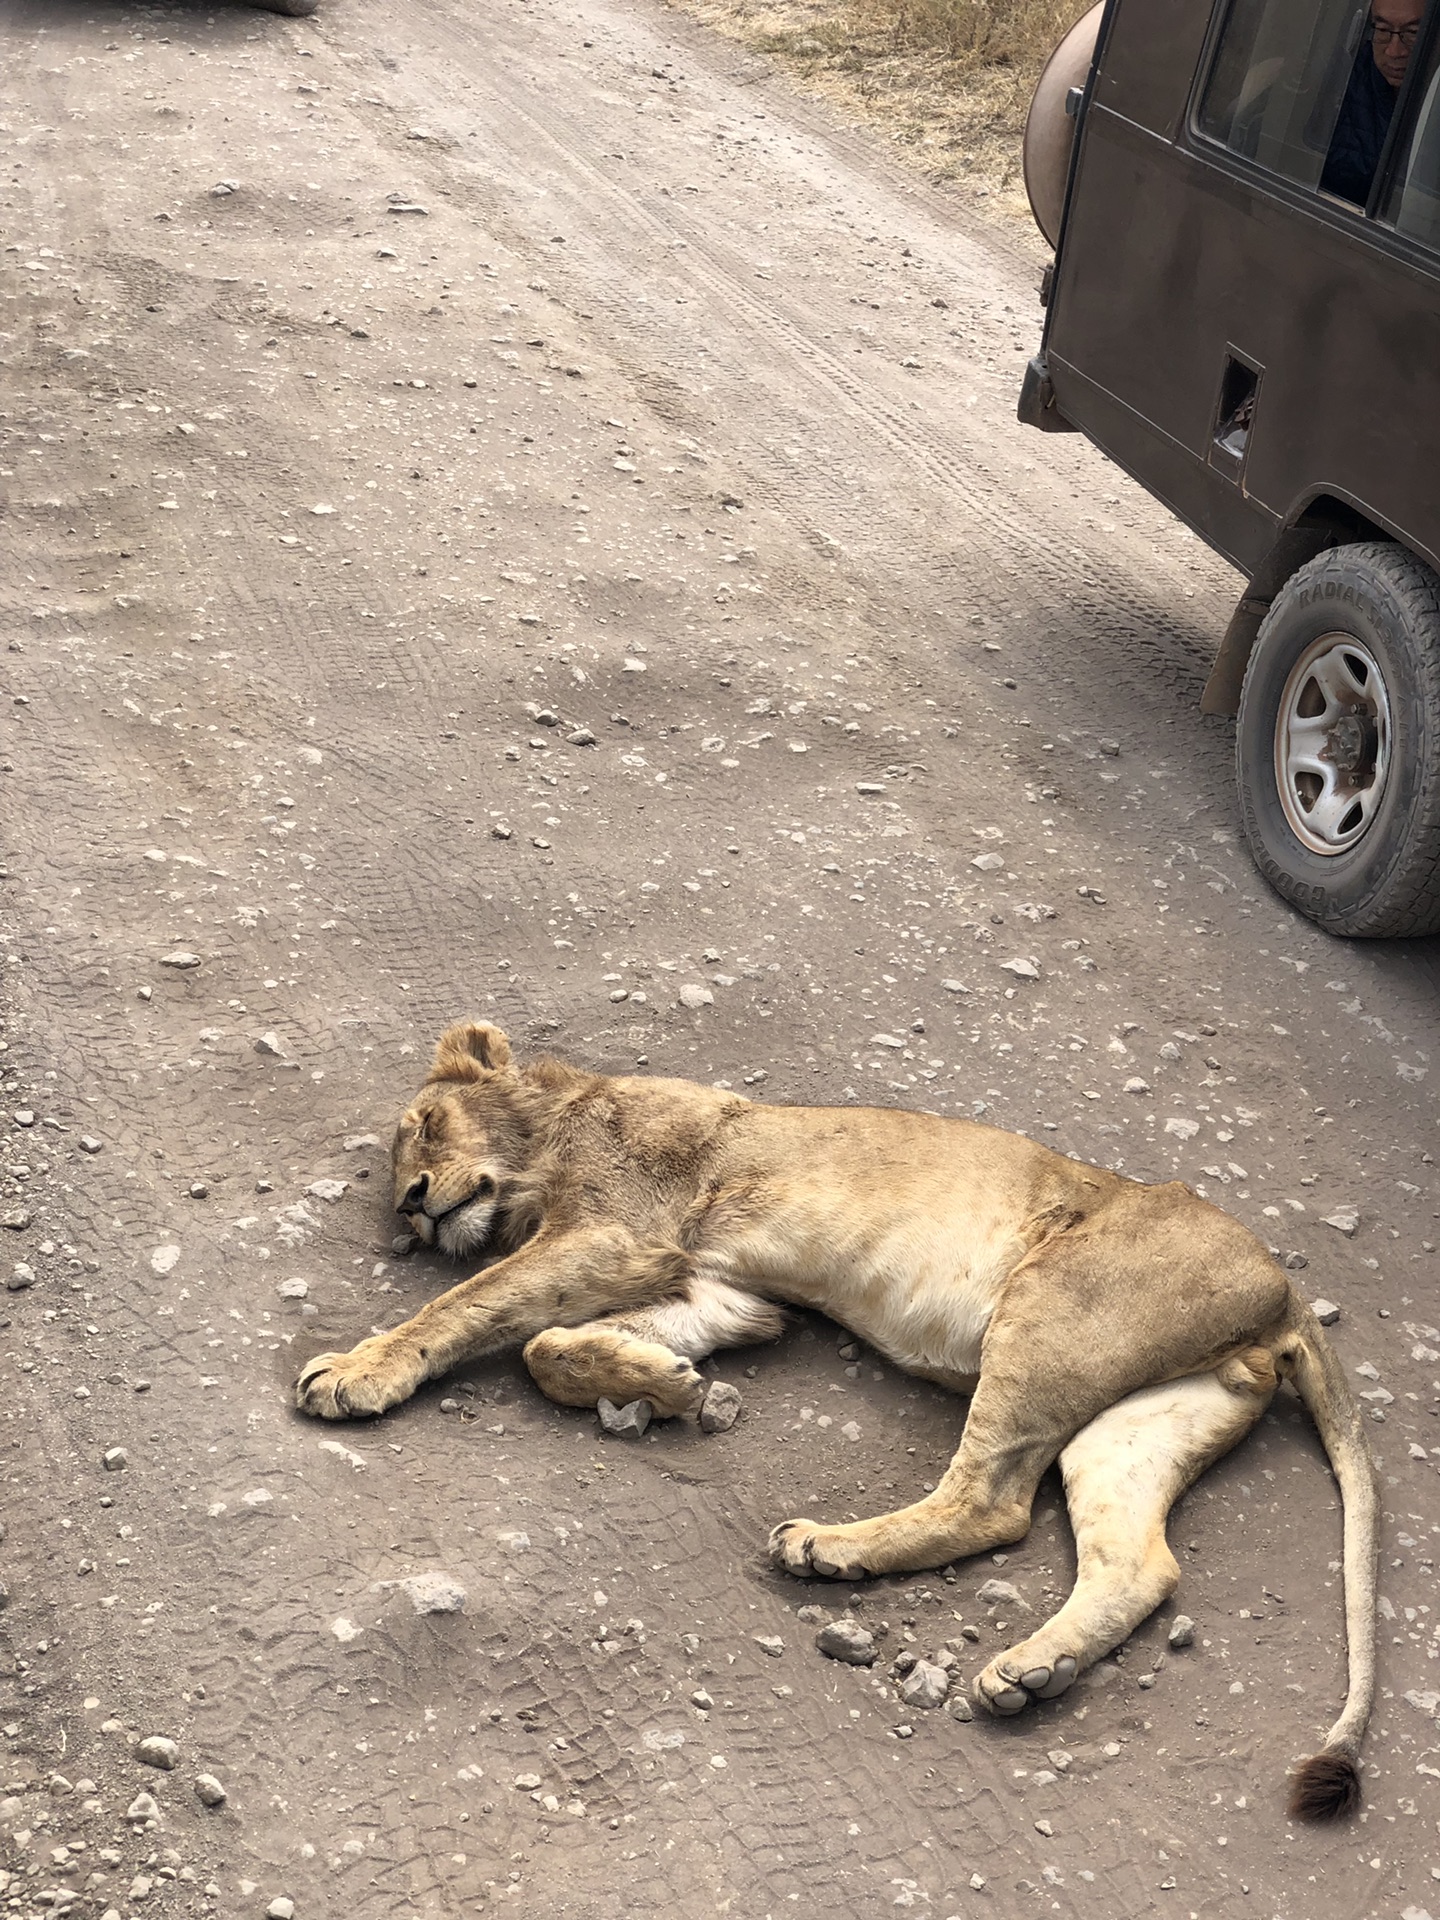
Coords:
1401,36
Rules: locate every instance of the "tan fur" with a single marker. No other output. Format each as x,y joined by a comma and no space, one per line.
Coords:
1135,1333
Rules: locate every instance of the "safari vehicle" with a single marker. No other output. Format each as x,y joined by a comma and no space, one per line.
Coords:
1256,339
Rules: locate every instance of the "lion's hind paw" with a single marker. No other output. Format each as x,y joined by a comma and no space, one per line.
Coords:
1005,1687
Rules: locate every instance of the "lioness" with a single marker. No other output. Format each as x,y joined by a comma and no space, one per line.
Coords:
1136,1333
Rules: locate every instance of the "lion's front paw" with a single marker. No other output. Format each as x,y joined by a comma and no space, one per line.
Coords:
351,1386
806,1549
1008,1685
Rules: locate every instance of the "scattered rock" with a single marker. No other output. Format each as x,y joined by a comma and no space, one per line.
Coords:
847,1640
960,1707
208,1790
1021,968
627,1422
163,1259
280,1908
1344,1220
694,997
720,1408
581,737
988,862
1182,1631
293,1289
1295,1262
87,1143
143,1807
24,1117
1136,1085
328,1189
155,1750
925,1686
198,1190
269,1043
182,961
115,1460
404,1243
21,1276
17,1219
770,1643
1325,1311
434,1593
1000,1593
357,1142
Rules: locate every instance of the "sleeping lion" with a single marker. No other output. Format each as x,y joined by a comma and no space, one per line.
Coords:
635,1226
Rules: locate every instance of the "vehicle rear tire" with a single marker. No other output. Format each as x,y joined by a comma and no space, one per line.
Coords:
1338,743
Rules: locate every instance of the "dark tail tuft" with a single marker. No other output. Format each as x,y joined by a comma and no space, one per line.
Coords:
1325,1787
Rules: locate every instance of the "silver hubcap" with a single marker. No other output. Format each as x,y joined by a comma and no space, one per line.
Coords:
1332,743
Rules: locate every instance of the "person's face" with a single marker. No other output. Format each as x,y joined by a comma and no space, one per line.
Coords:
1394,25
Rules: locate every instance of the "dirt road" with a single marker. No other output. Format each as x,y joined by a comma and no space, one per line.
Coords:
615,601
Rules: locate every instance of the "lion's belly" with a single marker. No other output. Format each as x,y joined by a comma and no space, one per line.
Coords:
934,1325
920,1290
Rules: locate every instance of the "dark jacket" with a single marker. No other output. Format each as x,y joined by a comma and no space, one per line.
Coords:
1359,136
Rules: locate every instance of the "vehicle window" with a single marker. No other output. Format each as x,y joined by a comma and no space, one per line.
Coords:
1279,79
1413,205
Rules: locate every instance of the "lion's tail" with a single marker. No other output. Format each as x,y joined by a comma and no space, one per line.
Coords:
1327,1785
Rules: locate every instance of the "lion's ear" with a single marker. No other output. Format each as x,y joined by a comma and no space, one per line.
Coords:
467,1051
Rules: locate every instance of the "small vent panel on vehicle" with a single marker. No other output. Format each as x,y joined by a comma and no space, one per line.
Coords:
1235,414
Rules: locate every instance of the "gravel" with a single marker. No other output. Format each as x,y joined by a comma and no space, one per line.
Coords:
926,1685
628,1422
434,1593
720,1408
847,1640
999,1593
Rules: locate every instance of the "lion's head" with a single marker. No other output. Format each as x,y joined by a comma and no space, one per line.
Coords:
461,1142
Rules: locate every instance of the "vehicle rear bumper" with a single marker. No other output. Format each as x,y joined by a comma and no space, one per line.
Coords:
1037,406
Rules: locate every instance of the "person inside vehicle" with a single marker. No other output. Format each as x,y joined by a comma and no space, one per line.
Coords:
1359,136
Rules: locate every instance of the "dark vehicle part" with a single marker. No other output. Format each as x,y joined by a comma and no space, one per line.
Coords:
1050,123
1338,742
1258,350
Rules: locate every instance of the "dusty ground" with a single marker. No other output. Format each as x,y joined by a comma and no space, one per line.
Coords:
954,117
681,417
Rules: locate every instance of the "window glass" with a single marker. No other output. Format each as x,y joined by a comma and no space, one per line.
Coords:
1280,75
1414,199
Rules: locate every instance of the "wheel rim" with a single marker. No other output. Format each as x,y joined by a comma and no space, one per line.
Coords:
1332,743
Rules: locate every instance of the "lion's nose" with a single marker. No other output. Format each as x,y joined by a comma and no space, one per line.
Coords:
414,1194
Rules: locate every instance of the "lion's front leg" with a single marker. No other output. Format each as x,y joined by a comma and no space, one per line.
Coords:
378,1374
560,1278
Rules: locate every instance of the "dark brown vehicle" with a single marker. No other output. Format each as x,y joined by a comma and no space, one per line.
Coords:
1244,313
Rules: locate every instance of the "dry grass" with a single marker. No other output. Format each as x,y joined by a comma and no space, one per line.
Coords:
950,80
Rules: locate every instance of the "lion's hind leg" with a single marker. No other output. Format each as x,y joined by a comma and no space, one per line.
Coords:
1123,1473
649,1353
